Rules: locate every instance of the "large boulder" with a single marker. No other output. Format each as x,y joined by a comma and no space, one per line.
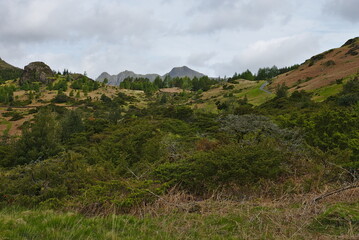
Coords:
37,72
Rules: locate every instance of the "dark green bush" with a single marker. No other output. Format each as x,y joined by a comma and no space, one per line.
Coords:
231,164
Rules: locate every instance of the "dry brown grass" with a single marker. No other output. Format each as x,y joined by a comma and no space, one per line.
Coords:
320,74
286,218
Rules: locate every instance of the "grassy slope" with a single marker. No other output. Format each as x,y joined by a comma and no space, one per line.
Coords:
243,88
5,65
314,74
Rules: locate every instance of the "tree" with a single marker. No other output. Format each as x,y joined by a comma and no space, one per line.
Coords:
282,91
71,124
158,82
248,75
40,139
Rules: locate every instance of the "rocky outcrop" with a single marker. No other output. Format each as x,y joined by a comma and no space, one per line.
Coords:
37,72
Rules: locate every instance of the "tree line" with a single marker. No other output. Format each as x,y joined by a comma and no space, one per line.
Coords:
265,73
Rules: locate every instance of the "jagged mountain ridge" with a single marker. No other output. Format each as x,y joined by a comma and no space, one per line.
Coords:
175,72
116,79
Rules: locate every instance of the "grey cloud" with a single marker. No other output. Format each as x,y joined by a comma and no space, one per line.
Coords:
216,37
211,16
39,21
346,9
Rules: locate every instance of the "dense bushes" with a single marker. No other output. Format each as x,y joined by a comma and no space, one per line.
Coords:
110,155
233,164
7,94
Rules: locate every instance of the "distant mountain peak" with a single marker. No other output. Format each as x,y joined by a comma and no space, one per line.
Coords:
183,71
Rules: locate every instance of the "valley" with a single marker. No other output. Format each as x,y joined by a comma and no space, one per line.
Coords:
266,155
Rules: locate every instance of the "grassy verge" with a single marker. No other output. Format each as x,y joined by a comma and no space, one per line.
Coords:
211,220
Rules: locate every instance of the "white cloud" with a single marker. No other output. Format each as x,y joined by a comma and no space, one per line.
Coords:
215,37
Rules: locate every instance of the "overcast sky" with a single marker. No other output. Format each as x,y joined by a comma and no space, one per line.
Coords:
216,37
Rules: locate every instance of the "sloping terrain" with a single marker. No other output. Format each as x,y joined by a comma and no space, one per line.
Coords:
324,69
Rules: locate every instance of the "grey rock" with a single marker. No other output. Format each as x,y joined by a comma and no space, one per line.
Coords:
37,72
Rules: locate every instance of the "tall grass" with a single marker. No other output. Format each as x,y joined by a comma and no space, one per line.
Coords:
211,219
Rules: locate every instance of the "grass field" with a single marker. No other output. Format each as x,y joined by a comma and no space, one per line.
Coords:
211,220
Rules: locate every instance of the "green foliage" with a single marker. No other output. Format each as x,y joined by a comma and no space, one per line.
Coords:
9,74
203,83
85,84
227,165
16,116
330,129
61,98
7,94
39,140
282,91
350,94
61,85
71,124
185,83
139,84
114,155
34,86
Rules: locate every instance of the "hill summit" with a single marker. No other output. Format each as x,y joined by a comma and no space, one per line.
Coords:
184,72
37,71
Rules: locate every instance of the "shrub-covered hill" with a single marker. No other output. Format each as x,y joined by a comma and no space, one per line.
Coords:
108,156
185,158
8,72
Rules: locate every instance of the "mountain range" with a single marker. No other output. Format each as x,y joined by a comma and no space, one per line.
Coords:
175,72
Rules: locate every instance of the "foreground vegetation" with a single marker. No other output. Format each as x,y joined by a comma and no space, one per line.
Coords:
107,168
213,219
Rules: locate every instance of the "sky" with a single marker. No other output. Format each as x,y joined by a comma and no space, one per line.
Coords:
215,37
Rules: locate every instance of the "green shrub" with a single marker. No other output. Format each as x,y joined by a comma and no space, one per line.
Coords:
16,116
231,164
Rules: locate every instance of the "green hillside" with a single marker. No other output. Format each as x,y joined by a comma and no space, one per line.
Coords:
177,158
8,72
